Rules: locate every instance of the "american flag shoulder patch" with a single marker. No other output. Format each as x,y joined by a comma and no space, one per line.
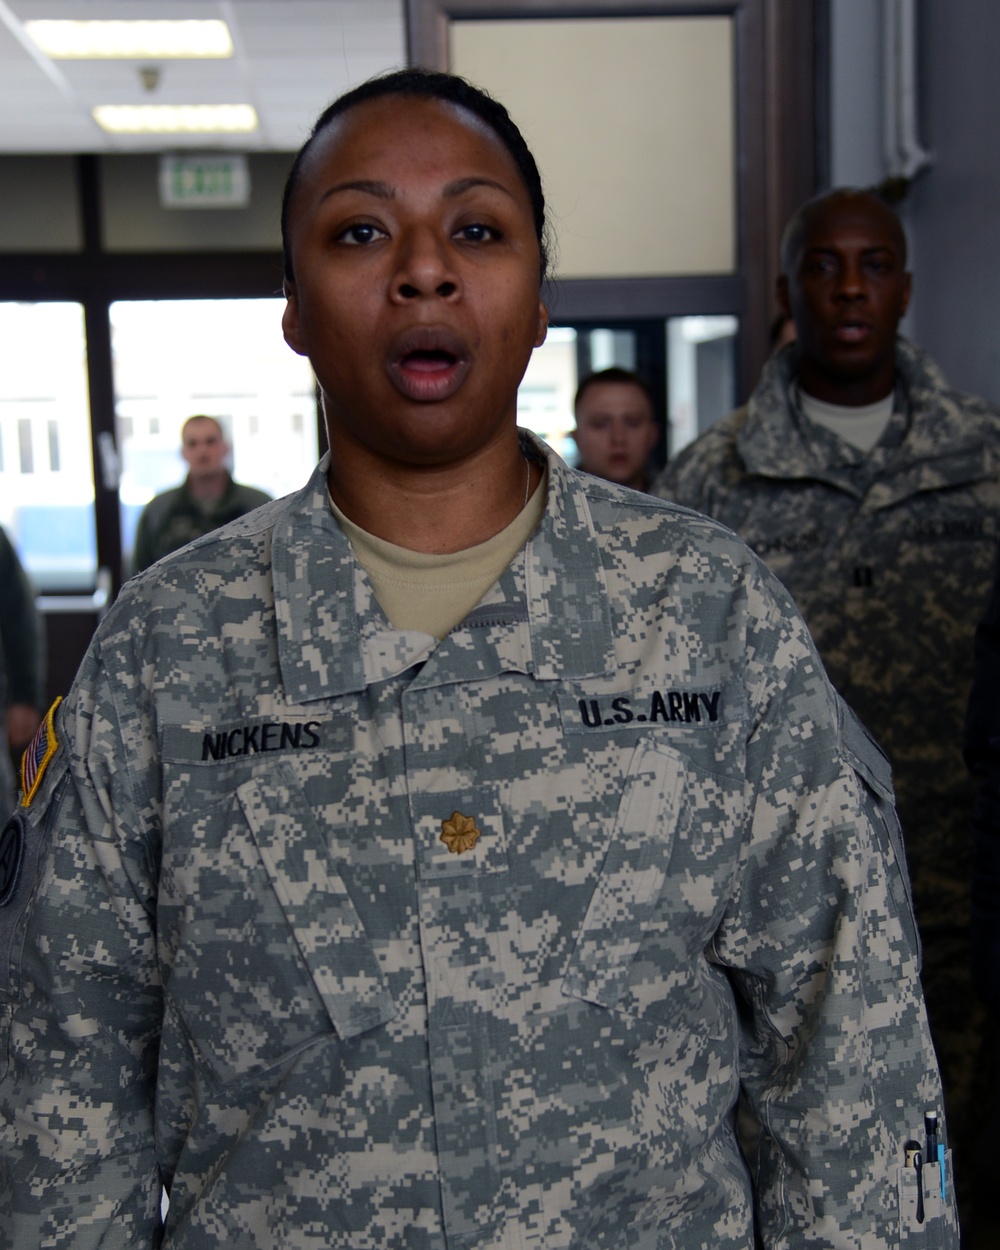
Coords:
37,754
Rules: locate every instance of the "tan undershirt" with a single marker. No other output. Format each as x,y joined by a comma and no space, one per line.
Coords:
433,593
861,427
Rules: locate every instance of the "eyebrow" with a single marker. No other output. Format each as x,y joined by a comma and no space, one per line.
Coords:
383,191
832,249
461,185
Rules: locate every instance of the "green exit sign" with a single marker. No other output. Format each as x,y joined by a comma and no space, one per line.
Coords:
212,181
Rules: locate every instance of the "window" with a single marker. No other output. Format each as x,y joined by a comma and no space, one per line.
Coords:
46,479
701,372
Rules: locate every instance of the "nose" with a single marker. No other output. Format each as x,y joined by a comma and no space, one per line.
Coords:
851,284
425,269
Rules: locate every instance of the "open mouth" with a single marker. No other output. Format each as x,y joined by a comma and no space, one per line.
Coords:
428,363
852,331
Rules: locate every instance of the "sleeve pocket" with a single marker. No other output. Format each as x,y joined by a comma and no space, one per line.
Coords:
925,1218
870,763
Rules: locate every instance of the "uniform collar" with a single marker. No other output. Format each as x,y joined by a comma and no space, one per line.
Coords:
929,441
334,640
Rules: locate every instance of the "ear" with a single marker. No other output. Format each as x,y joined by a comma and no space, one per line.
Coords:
543,323
290,319
907,292
781,291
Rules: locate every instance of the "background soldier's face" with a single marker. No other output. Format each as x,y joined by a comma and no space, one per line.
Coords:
847,291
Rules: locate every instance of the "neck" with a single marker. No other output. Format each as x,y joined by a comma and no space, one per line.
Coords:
848,392
436,509
208,485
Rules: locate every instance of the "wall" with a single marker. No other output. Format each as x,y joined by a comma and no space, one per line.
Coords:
40,210
951,212
631,122
134,219
855,93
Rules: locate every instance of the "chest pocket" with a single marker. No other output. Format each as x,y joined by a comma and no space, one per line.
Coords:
271,952
661,892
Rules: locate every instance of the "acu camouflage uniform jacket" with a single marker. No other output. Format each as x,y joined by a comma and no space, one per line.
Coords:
356,939
889,556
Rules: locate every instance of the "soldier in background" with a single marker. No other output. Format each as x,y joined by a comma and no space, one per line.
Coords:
22,666
432,857
982,754
872,490
207,498
615,427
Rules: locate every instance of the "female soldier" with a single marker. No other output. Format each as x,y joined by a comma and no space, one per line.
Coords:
426,859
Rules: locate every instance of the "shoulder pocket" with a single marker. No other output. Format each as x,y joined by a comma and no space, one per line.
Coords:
661,890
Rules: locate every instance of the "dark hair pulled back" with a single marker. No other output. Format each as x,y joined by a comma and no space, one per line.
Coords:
428,85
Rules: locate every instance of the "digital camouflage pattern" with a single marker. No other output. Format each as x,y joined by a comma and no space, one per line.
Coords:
358,939
889,556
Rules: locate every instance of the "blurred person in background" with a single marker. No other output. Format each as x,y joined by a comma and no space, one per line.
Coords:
615,427
982,754
207,498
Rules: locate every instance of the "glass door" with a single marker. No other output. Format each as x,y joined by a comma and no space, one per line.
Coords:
46,476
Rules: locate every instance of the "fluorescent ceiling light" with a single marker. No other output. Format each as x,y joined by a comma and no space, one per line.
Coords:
176,119
101,40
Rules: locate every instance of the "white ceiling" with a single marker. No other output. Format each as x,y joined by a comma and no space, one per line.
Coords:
292,58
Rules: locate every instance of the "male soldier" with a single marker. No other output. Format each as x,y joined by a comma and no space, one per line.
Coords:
982,754
873,491
615,427
206,499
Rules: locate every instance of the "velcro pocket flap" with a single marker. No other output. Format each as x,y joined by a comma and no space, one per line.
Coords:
319,911
631,879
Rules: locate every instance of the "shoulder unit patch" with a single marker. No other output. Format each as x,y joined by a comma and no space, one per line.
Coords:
37,754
